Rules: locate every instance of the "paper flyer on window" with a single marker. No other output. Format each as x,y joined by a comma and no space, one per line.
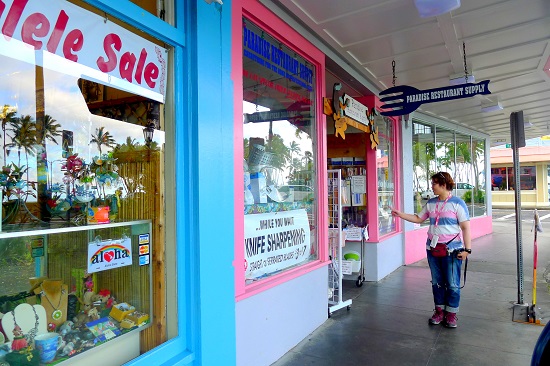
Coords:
275,241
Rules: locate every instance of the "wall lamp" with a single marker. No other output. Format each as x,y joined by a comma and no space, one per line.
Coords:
149,132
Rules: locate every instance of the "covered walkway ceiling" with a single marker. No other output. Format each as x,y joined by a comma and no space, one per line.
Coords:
507,42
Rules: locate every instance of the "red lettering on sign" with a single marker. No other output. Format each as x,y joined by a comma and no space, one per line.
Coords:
36,25
13,17
127,62
114,41
58,31
151,74
73,42
141,63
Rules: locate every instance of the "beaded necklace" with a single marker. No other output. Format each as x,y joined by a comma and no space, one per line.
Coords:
32,333
57,313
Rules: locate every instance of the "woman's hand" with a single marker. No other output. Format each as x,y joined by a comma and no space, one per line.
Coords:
396,213
462,255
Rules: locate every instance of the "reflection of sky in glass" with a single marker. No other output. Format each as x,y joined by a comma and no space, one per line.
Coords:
285,129
64,103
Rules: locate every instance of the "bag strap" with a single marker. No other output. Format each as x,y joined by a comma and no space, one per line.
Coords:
456,236
465,269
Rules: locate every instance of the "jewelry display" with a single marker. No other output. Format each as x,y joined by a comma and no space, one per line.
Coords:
57,313
18,333
54,297
30,319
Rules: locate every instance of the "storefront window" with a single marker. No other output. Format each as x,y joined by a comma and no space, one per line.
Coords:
81,182
503,178
279,155
461,155
385,165
423,163
161,8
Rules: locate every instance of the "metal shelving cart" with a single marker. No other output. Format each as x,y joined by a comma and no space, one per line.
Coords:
335,290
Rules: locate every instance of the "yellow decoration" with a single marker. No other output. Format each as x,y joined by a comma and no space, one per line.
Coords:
120,311
373,131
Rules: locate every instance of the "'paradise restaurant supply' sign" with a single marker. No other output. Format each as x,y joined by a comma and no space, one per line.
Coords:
275,241
77,35
407,99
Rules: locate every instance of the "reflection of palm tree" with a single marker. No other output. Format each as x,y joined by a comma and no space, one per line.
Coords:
24,136
308,156
101,138
49,130
8,118
294,148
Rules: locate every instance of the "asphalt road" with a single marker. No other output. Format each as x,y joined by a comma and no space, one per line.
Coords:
526,215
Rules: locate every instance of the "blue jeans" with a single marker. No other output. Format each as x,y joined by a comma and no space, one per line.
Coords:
445,281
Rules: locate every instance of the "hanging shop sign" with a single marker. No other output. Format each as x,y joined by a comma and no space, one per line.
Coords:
113,54
275,241
355,110
407,99
275,115
109,254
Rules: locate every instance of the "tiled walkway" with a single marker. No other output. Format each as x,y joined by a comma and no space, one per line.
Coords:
388,321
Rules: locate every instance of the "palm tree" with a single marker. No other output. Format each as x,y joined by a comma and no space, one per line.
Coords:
8,118
294,148
24,136
49,131
101,138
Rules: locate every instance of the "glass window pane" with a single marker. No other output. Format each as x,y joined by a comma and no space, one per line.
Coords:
423,163
445,151
478,165
82,183
385,165
279,155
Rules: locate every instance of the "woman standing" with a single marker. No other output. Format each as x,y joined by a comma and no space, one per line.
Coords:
449,219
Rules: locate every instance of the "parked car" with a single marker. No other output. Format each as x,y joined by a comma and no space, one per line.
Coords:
427,194
461,188
297,192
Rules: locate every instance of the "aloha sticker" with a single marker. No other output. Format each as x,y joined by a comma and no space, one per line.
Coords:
109,254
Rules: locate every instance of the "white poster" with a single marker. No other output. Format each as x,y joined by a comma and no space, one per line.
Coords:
109,254
275,241
113,55
358,184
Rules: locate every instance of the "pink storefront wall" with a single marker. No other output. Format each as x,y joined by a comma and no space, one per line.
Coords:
415,240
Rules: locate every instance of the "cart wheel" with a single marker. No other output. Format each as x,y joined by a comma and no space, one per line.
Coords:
359,283
329,313
348,307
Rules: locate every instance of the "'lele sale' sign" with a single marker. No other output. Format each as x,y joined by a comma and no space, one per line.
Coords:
111,54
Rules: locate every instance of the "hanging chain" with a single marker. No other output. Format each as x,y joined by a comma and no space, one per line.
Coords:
393,71
465,64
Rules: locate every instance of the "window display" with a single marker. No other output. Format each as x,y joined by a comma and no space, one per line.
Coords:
279,155
385,167
463,156
81,182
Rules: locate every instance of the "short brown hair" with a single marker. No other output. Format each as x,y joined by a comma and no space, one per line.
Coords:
444,179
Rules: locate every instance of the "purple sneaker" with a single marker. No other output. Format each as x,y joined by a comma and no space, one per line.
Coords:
450,320
437,317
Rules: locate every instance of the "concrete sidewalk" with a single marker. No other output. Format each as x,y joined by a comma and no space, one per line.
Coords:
388,321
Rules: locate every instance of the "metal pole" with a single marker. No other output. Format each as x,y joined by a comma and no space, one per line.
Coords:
517,191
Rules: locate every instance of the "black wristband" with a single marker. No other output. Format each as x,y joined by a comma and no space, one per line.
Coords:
469,251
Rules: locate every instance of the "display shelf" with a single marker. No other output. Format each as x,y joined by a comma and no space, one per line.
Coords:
92,283
24,230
